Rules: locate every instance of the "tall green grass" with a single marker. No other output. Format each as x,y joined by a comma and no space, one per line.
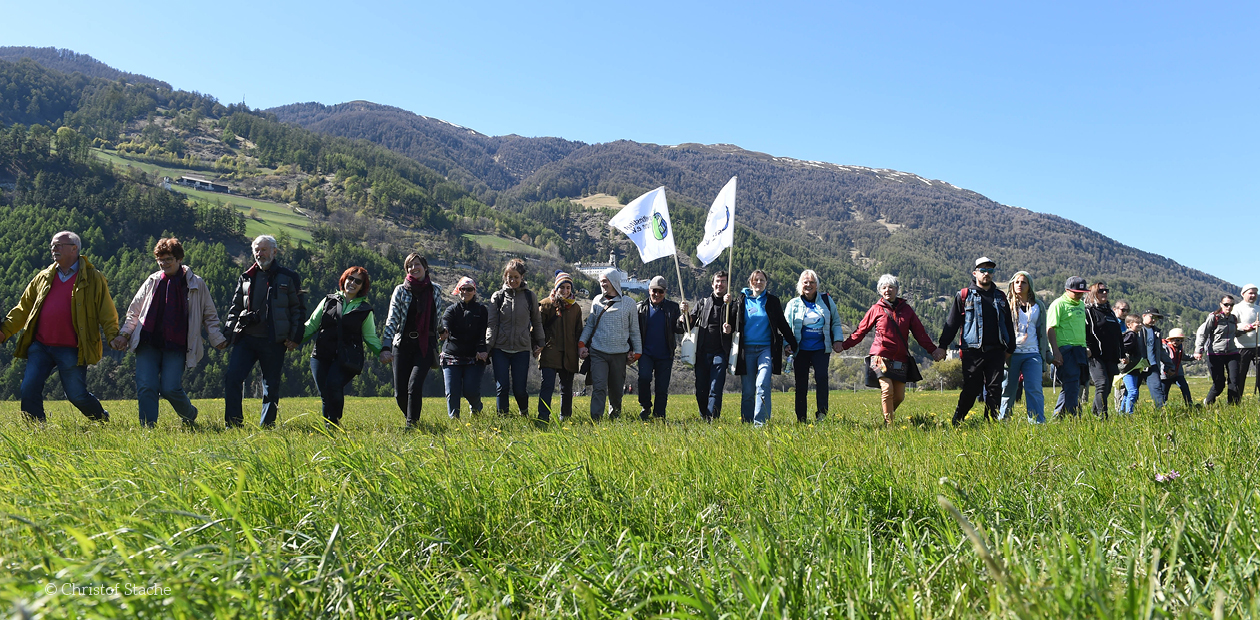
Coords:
493,517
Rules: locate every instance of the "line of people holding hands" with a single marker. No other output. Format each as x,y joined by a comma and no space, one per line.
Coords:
1005,338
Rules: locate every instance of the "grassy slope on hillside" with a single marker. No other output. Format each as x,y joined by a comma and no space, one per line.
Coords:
275,217
631,520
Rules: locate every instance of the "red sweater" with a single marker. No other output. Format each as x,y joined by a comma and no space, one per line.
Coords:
56,324
888,343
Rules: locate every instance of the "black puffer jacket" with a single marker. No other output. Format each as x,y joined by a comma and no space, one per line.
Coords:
1104,334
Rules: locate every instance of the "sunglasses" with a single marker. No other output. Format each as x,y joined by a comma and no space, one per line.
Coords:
1104,291
1225,305
467,289
353,280
985,269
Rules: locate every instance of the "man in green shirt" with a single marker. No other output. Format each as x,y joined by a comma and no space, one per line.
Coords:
1065,329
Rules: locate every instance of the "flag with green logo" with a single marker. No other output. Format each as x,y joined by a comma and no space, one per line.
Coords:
646,222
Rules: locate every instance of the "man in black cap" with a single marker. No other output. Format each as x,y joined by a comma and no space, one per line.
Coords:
988,339
1065,329
1155,354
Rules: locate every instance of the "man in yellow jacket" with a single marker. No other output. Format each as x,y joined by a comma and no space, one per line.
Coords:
61,316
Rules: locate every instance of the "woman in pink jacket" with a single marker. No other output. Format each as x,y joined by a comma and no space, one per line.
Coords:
163,326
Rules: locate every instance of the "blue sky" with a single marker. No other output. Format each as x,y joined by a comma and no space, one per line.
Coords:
1138,120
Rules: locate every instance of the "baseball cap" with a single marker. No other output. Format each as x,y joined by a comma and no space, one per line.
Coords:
657,282
1076,284
983,260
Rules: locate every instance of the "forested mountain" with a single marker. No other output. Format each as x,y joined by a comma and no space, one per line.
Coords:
926,231
67,61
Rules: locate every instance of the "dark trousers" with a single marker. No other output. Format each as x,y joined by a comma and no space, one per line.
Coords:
982,371
41,361
818,361
710,382
1246,359
463,380
269,356
331,383
1102,373
1075,365
549,376
515,365
1219,365
662,369
411,367
1185,389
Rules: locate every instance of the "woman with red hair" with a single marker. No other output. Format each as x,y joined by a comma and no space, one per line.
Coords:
342,324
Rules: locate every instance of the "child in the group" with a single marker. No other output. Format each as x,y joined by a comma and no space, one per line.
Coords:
1174,372
1134,362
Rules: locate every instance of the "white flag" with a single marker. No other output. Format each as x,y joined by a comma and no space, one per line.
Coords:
646,222
719,229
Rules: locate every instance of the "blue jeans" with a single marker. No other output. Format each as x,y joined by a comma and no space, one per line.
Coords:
549,387
662,369
710,382
161,373
755,403
40,362
331,383
463,380
517,365
1075,365
269,356
1029,365
1155,386
1129,402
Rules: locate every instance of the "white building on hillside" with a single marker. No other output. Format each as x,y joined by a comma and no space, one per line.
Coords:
628,282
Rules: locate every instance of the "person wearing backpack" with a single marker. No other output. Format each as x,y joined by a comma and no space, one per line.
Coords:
342,324
893,321
815,322
1215,341
983,314
514,332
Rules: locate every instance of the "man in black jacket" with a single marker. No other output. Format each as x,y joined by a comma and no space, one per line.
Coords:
266,319
988,340
713,347
660,322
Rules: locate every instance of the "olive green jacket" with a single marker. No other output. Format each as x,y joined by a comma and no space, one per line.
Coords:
92,311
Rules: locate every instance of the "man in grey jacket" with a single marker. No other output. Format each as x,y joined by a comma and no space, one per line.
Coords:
1246,340
267,318
612,332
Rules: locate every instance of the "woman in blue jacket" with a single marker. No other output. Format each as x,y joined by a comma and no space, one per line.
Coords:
815,321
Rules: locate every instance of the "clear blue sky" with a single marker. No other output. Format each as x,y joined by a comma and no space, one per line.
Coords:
1136,119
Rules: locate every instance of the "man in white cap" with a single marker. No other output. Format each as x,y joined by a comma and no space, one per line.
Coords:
660,322
1246,338
612,333
983,314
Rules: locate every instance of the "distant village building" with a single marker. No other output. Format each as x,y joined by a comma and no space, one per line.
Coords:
202,184
628,282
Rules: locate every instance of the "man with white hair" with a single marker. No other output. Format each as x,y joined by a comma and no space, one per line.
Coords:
61,315
612,332
1246,340
660,322
267,318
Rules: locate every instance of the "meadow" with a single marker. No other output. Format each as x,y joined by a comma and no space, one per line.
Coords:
493,516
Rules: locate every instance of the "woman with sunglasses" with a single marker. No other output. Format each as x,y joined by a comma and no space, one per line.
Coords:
1104,337
1216,342
341,324
465,355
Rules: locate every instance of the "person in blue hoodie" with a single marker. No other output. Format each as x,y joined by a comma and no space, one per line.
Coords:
762,330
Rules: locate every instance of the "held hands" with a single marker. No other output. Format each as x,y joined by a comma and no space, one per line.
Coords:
120,342
632,357
222,345
481,357
537,351
1198,356
837,347
938,354
583,352
290,345
388,356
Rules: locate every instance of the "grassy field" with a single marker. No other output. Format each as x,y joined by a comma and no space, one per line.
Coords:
494,517
503,244
274,218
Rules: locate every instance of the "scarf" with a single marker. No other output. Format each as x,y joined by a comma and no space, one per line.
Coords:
168,312
565,301
422,293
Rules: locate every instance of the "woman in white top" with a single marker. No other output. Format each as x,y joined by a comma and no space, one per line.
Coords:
1032,349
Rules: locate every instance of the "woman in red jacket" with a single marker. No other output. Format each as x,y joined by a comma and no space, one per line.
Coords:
893,320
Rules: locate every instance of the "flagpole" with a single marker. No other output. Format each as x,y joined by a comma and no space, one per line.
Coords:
682,291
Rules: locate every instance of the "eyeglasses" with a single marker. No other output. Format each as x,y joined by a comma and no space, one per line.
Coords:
467,289
1104,291
985,269
353,280
57,245
1225,305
